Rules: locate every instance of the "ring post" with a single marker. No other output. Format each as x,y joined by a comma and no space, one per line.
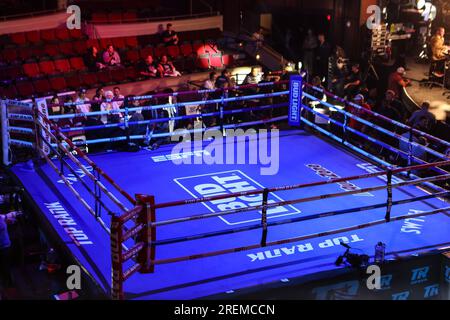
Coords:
389,197
146,256
117,292
264,217
5,135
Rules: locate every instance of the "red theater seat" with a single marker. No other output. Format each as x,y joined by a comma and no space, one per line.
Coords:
47,67
33,37
202,61
132,56
41,86
131,73
51,50
73,80
118,75
58,83
89,79
92,43
37,51
227,60
131,42
31,69
103,43
12,72
118,43
77,63
115,17
48,35
80,47
173,51
66,48
198,48
148,51
9,55
24,88
62,34
62,65
129,16
99,17
160,51
186,49
18,38
75,34
9,92
24,53
104,76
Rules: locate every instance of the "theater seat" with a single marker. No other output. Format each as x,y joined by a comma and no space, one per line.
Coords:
92,43
132,56
24,53
48,35
31,70
77,63
131,42
227,60
18,38
9,91
186,49
9,55
24,88
58,84
66,48
148,51
203,61
51,49
89,79
47,67
62,65
12,72
62,34
198,48
72,80
118,43
33,37
160,51
41,86
216,60
173,51
118,75
99,17
132,74
80,47
104,77
75,34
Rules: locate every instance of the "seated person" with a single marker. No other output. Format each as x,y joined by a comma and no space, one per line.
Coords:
167,69
149,68
92,59
415,119
224,80
85,107
136,116
110,105
118,97
397,82
392,108
439,51
254,77
353,82
111,57
169,36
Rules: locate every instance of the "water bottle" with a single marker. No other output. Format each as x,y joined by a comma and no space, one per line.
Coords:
380,250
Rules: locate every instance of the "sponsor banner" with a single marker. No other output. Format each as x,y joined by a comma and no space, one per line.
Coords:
227,182
42,107
295,100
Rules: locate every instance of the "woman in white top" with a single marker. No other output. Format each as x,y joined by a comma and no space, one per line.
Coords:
85,107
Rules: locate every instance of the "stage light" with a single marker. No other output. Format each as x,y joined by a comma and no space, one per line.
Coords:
329,17
258,57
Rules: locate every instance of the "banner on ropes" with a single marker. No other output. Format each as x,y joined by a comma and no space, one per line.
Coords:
295,100
43,109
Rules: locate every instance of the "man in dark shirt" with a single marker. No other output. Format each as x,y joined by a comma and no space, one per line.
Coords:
323,53
353,82
224,81
169,36
149,68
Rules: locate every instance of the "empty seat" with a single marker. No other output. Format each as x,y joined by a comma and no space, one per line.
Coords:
129,16
92,43
173,51
41,86
75,34
66,48
104,76
99,17
31,69
47,67
51,49
9,91
198,48
80,47
11,72
118,43
58,83
118,75
145,52
72,80
77,63
89,79
160,51
131,73
62,65
24,53
37,51
24,88
227,60
48,35
104,43
115,17
62,34
9,55
202,61
132,56
33,36
131,42
18,38
186,49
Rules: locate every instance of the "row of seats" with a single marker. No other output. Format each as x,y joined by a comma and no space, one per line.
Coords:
41,36
112,17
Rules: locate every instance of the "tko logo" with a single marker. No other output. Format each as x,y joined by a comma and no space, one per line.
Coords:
235,181
431,291
401,295
419,275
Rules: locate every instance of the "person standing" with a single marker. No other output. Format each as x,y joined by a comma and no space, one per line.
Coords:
309,46
323,54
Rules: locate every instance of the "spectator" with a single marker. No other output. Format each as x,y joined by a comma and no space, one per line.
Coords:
323,54
84,107
110,105
136,116
439,51
397,81
118,97
210,83
353,82
5,244
224,80
111,57
254,77
167,69
338,72
258,38
99,96
169,36
148,68
361,113
309,46
392,108
55,108
93,60
416,121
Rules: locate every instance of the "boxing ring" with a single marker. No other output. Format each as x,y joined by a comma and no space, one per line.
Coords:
145,227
